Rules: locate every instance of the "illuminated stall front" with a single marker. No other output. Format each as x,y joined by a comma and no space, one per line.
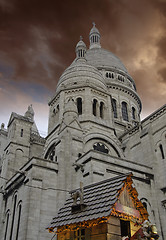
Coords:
105,210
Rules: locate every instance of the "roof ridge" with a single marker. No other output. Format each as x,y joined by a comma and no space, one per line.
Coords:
103,181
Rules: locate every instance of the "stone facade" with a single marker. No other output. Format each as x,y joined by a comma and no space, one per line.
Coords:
94,133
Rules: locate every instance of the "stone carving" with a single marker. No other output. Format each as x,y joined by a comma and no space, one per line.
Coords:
78,194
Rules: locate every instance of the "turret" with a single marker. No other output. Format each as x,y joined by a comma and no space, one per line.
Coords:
94,37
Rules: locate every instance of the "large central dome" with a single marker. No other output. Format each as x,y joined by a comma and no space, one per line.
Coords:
101,58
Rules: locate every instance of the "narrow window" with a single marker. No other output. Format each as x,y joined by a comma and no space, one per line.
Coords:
18,221
106,75
112,75
162,151
125,228
94,107
79,106
109,75
124,111
7,223
102,110
13,216
133,113
114,106
22,131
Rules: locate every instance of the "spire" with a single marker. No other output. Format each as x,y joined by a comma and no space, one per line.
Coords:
94,37
30,113
81,49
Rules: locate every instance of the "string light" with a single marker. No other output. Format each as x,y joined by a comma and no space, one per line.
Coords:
49,188
55,189
114,212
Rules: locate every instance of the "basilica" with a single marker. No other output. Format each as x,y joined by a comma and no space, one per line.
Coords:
95,136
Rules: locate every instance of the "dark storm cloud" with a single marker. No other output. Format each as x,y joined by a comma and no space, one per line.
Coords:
38,39
26,28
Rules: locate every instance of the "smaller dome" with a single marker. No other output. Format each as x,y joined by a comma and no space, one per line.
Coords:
81,43
80,50
81,74
94,29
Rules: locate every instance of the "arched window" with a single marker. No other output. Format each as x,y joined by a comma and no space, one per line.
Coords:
124,111
106,74
50,155
162,151
7,224
133,113
79,106
114,106
94,107
100,147
13,216
102,110
18,220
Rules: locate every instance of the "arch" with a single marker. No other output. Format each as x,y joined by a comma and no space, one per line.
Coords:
148,207
13,215
79,106
102,110
94,107
7,223
100,139
114,107
124,111
50,154
103,138
19,152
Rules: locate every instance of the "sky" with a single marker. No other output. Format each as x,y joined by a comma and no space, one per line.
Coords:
38,39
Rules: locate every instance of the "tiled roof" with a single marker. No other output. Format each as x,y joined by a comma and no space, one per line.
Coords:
99,198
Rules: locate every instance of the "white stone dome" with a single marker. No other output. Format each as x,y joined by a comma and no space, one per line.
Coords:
81,74
101,58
